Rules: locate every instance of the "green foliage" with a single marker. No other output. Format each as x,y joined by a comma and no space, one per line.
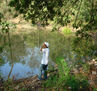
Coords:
75,83
24,89
86,67
6,26
41,11
8,85
64,80
52,79
1,48
61,12
63,67
6,12
1,61
94,89
85,46
89,28
1,16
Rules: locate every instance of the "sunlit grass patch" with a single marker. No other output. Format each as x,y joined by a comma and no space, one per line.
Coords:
66,31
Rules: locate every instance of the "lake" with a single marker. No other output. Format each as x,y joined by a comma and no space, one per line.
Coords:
26,55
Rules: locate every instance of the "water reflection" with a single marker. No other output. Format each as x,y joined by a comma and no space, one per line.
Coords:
27,55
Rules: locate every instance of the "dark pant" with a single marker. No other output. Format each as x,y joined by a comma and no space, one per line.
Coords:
43,68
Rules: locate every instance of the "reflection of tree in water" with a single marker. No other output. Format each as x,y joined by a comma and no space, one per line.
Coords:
26,49
35,39
35,58
59,45
18,48
20,43
1,61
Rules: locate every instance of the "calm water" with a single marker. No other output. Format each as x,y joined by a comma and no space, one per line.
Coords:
26,52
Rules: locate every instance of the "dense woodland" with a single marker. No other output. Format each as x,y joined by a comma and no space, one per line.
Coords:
81,16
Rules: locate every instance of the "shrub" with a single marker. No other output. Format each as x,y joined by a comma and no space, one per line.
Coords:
64,80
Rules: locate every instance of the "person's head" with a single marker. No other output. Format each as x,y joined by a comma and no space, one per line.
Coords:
46,44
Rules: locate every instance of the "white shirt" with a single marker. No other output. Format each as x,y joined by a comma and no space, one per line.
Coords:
45,56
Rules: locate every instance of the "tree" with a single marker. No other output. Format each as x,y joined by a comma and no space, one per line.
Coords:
60,11
79,13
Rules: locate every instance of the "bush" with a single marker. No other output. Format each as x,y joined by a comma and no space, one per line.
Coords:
64,80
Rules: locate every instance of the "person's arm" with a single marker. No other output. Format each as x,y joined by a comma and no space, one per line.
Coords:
42,47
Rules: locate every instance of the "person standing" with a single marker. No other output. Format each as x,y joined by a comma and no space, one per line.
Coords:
44,61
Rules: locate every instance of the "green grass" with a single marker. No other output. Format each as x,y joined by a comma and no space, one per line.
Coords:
66,31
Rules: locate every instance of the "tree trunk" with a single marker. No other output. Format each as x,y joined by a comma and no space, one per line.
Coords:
11,54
